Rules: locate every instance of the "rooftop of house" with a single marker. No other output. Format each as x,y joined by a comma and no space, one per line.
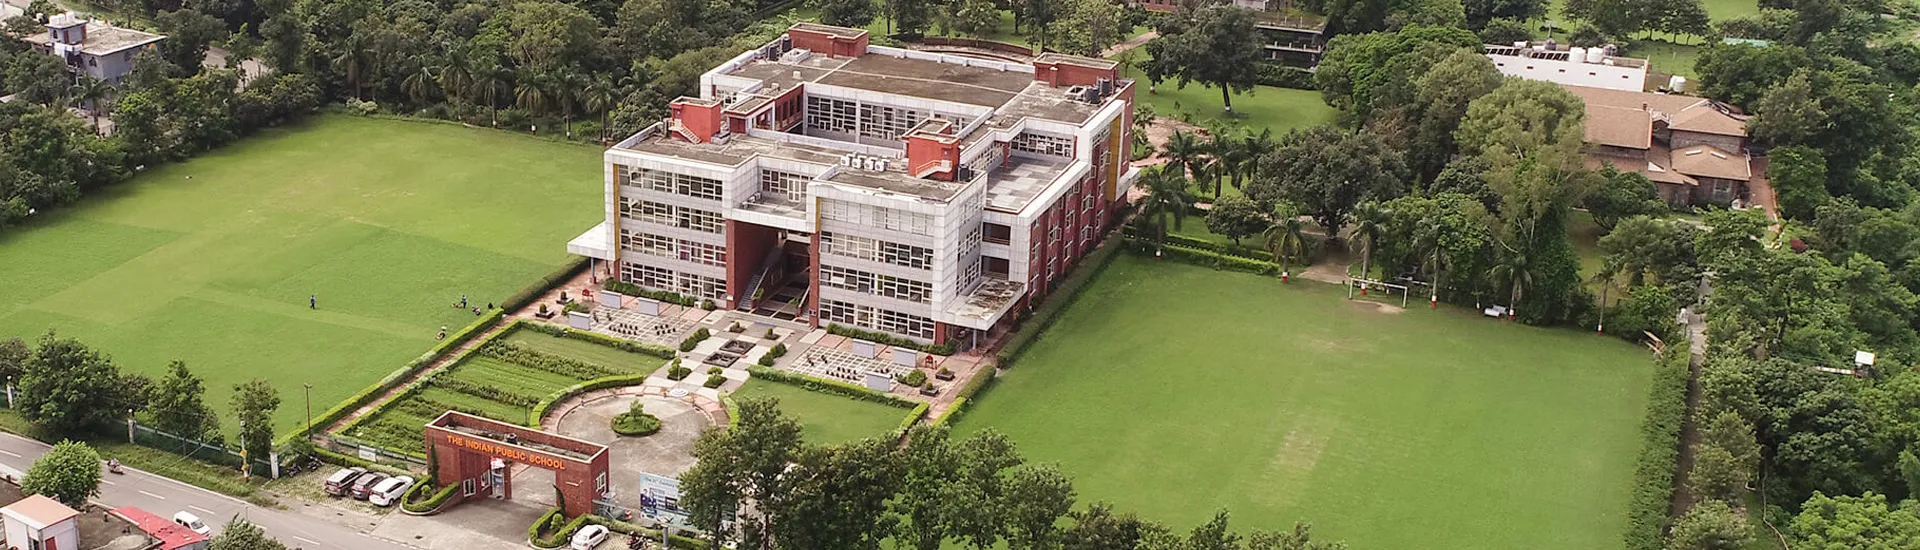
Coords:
171,535
38,511
1559,52
1711,162
1015,185
1625,119
101,38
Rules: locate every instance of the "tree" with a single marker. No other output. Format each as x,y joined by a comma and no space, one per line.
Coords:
1167,201
743,464
1086,27
1622,195
14,354
1286,238
1098,528
1682,17
253,406
1646,249
969,17
1300,538
1441,96
1740,74
1185,153
91,94
1505,31
909,17
69,472
1847,522
1038,496
707,490
39,79
1214,535
930,466
1799,178
175,405
1236,217
1369,225
419,83
488,81
1483,14
1036,17
846,13
69,388
1327,171
1788,114
1217,46
600,98
1364,73
241,534
1710,525
832,497
189,33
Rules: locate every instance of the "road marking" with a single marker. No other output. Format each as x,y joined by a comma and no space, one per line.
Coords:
201,509
153,495
108,481
10,453
306,540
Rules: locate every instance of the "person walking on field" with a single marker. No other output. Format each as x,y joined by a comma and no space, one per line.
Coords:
313,302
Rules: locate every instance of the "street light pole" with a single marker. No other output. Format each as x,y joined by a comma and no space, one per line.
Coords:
309,410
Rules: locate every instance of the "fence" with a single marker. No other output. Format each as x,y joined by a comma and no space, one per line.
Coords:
362,450
203,451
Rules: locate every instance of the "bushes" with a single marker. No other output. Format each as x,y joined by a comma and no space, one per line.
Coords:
693,340
1659,450
1068,291
539,411
552,529
1226,249
1281,76
630,289
952,411
621,344
677,372
532,292
914,416
350,461
1209,258
431,503
889,339
714,381
636,422
830,386
485,392
512,353
917,378
776,352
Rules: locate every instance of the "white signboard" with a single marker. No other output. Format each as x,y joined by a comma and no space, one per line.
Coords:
864,348
904,356
648,306
610,299
369,454
879,381
579,320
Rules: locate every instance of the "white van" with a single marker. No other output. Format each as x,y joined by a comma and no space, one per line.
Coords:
193,522
389,491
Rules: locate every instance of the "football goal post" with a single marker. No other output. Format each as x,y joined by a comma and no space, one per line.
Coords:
1366,285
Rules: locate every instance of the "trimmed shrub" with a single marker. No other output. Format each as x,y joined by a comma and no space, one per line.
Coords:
916,378
952,411
636,422
1659,451
715,370
889,339
539,411
550,532
1281,76
677,372
1049,311
707,304
1207,258
835,387
630,289
431,503
777,351
350,461
574,306
714,381
621,344
693,340
766,360
913,416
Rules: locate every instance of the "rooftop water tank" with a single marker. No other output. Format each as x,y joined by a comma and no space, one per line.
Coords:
1577,55
1595,55
1677,84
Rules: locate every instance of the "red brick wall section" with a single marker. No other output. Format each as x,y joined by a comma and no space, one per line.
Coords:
827,44
747,244
922,151
703,121
1061,74
813,281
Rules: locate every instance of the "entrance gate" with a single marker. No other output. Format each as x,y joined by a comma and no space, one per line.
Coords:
472,450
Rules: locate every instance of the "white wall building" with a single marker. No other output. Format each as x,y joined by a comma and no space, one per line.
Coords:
1589,67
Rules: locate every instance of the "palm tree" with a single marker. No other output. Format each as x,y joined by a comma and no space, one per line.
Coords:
1369,224
456,72
1286,239
419,83
1252,147
530,91
1603,278
566,84
1427,239
352,62
1184,151
599,98
1166,197
87,94
487,83
1516,268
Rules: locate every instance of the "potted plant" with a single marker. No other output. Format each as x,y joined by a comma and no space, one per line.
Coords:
943,374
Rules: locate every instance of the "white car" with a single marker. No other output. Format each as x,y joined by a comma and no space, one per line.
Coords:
389,491
193,522
588,537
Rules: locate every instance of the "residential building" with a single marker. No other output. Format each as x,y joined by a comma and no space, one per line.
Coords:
41,523
920,194
1589,67
91,47
1289,36
1695,150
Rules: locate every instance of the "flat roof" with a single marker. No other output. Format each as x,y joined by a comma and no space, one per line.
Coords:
738,149
39,511
103,39
896,180
981,86
1012,187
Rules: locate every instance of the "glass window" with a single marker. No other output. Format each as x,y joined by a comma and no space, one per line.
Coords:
1041,144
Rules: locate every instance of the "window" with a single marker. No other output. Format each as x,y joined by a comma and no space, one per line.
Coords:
872,318
786,185
703,253
1053,235
877,216
832,115
876,284
466,487
669,182
1041,144
646,243
700,220
699,285
997,233
646,275
875,250
1086,202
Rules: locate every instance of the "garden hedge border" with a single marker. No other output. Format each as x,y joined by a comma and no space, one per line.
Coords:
394,379
733,420
680,542
1049,311
532,292
968,394
914,416
1204,257
881,337
1659,451
350,461
624,288
539,410
417,385
1223,249
662,352
834,387
429,506
562,531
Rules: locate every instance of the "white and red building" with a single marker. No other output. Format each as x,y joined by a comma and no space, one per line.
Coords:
921,194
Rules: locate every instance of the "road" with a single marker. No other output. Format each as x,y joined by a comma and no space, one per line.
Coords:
163,497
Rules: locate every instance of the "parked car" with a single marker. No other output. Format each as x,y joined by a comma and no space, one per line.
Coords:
190,521
389,491
588,537
341,482
364,486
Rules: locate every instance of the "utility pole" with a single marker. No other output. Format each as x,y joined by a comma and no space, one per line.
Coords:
245,472
309,410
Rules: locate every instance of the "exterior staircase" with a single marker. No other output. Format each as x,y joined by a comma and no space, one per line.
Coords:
759,279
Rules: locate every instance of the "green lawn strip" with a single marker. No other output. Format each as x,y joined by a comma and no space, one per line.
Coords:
490,408
1265,108
828,419
584,351
487,371
1174,391
386,222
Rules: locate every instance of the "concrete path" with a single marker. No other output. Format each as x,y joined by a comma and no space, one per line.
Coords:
1129,44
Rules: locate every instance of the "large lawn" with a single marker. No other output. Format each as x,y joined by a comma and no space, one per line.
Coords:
1267,107
828,419
1174,391
211,261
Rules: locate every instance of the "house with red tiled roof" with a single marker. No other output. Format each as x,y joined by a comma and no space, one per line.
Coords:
1693,149
166,534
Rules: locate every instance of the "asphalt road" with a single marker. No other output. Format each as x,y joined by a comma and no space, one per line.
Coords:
163,497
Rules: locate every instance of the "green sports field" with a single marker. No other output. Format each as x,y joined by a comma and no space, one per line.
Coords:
211,260
827,419
1173,391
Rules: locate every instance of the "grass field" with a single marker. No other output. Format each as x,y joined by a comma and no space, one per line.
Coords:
1267,107
1173,391
211,261
827,419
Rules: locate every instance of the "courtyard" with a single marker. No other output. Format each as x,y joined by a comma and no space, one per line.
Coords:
212,260
1174,391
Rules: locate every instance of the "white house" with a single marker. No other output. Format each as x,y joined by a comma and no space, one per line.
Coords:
41,523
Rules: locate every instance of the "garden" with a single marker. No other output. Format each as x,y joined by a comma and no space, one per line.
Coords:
511,378
826,418
1176,390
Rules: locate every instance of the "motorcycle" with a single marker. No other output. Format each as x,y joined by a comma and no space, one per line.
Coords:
113,466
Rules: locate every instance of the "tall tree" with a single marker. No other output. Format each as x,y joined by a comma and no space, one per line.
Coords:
1710,525
1369,226
1788,114
14,354
253,406
241,534
1217,46
1286,238
1236,217
1086,27
189,34
1038,496
70,389
1799,178
1327,171
1167,200
176,404
1441,95
1480,12
846,13
69,472
1846,522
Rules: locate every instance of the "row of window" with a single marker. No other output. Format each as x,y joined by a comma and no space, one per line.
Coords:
676,216
872,318
668,182
1042,144
699,286
876,250
877,216
787,185
669,247
865,120
876,284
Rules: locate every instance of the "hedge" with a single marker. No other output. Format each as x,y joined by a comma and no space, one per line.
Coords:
733,420
621,344
561,532
432,503
1049,311
398,377
350,461
914,416
693,340
835,387
952,411
539,410
1659,451
630,289
680,542
1281,76
1226,249
532,292
1207,258
891,340
968,393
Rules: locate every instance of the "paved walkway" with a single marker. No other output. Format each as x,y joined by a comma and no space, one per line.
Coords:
1129,44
